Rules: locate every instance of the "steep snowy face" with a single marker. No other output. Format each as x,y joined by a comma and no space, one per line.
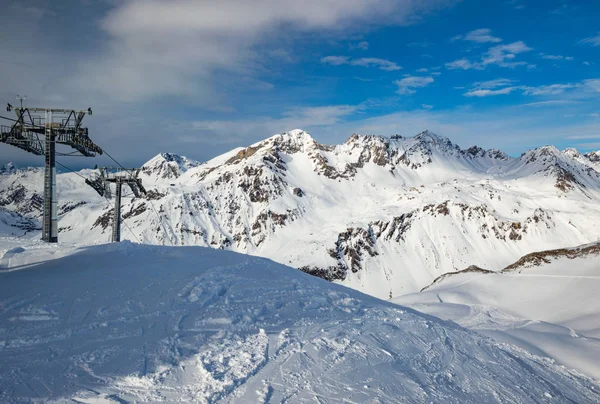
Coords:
382,215
167,166
21,190
594,157
132,323
568,169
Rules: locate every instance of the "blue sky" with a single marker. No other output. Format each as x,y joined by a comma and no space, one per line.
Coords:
200,77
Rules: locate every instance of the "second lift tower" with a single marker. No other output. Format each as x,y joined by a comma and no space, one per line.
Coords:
118,177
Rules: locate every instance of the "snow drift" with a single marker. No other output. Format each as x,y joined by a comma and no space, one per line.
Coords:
124,322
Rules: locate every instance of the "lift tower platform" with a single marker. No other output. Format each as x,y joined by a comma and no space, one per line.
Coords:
117,176
38,131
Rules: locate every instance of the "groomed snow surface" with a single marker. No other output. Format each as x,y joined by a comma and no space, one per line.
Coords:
135,323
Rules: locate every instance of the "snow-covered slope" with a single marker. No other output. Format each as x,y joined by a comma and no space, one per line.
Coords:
132,323
382,215
546,302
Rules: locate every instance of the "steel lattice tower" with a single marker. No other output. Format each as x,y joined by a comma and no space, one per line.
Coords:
118,177
38,131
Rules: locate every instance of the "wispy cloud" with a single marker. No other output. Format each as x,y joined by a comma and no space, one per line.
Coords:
366,62
491,88
555,57
505,86
362,45
463,64
408,84
592,85
548,103
183,47
502,55
493,83
487,92
593,40
482,35
552,89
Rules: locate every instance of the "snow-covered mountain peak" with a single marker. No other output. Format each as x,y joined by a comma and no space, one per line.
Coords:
291,142
358,139
571,152
594,156
480,152
8,168
168,166
544,154
428,136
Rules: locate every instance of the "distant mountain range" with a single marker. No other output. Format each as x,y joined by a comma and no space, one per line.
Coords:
383,215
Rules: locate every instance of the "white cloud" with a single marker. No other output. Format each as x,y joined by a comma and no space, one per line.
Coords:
593,40
556,57
552,89
463,64
422,70
492,84
380,63
158,48
367,62
548,103
335,60
362,45
408,84
506,86
482,35
502,55
592,85
426,106
486,93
